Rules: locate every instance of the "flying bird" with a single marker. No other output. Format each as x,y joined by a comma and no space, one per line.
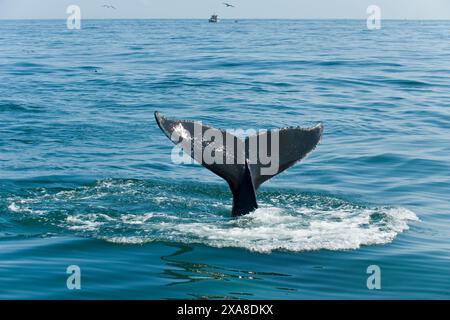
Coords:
228,5
108,6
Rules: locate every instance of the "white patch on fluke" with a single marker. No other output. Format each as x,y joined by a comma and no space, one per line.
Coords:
182,132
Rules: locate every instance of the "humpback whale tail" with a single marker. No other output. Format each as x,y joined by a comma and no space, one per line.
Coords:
245,165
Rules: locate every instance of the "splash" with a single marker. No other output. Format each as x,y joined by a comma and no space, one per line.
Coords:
138,212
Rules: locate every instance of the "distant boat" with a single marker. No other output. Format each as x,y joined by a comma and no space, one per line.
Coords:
214,18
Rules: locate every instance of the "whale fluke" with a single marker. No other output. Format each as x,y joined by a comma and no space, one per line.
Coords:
240,162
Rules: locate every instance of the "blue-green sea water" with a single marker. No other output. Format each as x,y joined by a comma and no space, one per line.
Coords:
86,176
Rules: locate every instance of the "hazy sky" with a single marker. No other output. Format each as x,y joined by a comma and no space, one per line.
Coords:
354,9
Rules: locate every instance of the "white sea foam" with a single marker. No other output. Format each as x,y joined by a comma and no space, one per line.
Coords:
136,219
129,240
86,222
76,224
13,207
289,222
269,229
21,207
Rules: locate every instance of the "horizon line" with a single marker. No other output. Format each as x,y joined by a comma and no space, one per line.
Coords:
355,19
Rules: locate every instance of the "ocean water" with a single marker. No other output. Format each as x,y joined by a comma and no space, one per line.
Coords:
86,176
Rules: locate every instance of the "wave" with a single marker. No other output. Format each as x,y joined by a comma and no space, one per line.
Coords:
18,107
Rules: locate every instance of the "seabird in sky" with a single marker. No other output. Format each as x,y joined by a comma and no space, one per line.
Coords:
228,5
108,6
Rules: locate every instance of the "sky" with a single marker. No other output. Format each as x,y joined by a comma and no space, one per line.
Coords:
201,9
